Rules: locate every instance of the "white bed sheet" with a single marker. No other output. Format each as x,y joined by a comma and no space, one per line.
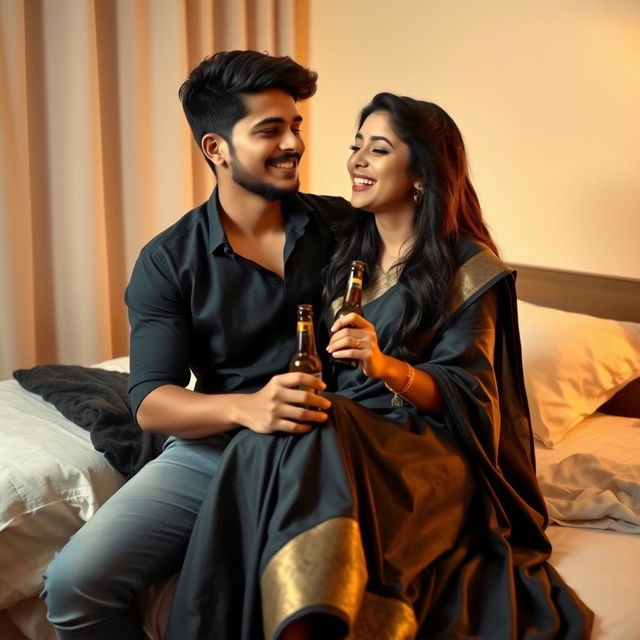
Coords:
600,434
602,566
51,481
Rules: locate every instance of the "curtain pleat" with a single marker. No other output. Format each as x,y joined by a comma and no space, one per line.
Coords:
96,156
18,332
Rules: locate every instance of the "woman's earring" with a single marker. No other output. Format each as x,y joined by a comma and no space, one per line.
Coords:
418,193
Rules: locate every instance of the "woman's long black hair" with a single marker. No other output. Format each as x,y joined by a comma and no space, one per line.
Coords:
449,209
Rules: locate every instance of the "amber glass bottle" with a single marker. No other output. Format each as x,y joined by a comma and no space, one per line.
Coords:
352,303
306,359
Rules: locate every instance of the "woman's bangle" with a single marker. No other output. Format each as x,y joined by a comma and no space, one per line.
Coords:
411,372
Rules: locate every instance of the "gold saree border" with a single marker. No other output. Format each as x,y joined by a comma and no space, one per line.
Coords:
473,275
380,284
384,618
324,565
470,277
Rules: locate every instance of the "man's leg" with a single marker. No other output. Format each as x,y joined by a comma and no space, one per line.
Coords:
136,538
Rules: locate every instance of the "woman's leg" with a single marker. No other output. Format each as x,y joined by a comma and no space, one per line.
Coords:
136,538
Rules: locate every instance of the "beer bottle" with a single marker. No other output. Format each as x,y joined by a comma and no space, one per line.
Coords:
306,359
352,303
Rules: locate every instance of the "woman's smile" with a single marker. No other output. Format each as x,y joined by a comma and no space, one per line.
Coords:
361,182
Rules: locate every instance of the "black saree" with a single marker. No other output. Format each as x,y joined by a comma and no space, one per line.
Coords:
393,522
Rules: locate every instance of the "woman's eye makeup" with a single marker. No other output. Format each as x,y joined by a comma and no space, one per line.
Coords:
378,150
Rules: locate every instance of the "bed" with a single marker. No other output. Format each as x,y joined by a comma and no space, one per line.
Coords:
581,354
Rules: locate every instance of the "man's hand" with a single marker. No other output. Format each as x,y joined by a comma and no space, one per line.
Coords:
282,406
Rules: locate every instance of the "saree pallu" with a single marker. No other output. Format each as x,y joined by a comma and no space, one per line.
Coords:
428,527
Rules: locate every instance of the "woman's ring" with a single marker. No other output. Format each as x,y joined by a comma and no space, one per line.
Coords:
357,343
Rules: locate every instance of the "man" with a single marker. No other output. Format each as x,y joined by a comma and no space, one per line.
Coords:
215,293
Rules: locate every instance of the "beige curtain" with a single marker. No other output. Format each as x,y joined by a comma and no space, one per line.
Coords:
96,156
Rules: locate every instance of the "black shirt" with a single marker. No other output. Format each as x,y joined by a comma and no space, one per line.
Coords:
196,305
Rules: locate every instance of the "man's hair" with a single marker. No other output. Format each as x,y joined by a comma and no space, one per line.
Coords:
212,94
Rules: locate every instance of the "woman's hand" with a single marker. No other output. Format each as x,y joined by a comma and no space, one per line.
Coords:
355,337
360,341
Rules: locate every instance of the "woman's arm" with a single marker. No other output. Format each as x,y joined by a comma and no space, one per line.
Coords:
355,337
414,385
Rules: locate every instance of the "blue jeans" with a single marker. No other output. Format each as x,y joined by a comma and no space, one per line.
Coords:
136,538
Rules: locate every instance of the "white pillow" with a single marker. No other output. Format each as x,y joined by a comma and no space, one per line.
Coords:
573,363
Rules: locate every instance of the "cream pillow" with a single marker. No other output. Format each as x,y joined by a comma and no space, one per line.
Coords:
573,363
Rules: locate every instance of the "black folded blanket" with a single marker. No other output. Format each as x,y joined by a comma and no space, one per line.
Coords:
96,400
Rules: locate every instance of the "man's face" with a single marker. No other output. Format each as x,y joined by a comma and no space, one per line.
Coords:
266,147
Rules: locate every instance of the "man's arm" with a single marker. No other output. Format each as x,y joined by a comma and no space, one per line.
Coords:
159,352
278,406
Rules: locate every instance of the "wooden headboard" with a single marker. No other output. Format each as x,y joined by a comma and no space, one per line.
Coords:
602,296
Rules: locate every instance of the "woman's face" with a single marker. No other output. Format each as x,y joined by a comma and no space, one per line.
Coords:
379,168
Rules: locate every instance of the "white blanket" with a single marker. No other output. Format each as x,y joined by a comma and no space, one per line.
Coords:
585,490
592,479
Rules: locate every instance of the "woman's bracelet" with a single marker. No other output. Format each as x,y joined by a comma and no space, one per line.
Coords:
396,401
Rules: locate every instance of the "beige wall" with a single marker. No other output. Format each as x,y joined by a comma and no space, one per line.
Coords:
547,95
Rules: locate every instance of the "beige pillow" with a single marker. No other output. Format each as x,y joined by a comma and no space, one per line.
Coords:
573,363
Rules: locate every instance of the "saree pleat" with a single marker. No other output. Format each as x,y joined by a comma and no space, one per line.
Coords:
392,524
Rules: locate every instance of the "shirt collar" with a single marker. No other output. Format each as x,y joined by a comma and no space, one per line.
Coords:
295,209
217,236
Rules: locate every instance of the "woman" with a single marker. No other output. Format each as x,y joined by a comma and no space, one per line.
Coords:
414,512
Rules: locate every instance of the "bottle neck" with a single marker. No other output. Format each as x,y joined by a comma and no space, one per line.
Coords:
306,341
354,291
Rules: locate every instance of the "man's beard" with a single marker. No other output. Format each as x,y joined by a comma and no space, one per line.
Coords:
263,189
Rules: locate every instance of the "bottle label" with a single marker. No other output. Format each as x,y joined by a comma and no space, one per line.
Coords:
304,327
356,282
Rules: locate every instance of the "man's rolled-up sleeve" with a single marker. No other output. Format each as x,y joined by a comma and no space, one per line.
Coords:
160,334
